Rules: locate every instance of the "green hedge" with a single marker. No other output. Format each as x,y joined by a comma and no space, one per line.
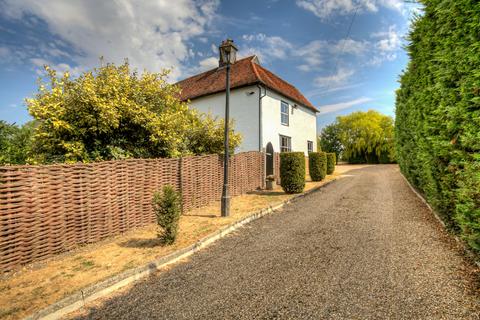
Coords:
437,123
292,171
167,206
331,160
317,165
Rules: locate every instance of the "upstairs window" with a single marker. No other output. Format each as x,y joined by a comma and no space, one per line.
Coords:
310,146
285,144
284,113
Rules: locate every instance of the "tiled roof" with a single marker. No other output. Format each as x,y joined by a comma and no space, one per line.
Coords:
243,73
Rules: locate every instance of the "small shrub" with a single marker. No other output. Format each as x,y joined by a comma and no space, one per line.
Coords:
167,208
292,171
331,159
317,164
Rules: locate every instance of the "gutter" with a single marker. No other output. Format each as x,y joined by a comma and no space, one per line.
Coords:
260,127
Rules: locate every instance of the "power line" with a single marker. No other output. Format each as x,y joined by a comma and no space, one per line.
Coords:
343,47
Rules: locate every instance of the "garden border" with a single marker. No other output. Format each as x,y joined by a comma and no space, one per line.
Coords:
103,288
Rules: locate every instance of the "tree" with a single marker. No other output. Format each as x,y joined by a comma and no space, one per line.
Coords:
330,140
367,137
438,112
15,142
6,132
113,112
206,135
360,137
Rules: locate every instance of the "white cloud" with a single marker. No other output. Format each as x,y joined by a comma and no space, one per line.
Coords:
329,108
312,55
390,39
388,44
151,34
326,8
204,65
39,62
267,48
323,91
4,52
214,48
340,78
61,68
316,52
398,5
349,46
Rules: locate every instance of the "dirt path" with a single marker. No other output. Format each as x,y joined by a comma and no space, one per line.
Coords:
364,247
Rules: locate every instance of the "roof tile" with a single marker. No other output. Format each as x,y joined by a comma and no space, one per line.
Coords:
243,73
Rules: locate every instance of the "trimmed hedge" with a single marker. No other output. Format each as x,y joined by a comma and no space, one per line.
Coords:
331,160
317,164
437,123
292,171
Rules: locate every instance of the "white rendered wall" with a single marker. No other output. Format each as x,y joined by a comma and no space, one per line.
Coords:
243,109
302,123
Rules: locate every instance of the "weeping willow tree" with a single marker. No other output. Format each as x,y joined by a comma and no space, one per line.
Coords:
365,137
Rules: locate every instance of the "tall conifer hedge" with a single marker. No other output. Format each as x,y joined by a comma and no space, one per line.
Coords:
292,171
317,165
331,160
437,125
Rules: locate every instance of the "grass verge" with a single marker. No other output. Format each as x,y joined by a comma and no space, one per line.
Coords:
35,286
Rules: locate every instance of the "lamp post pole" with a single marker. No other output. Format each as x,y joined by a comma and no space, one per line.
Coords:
228,56
225,195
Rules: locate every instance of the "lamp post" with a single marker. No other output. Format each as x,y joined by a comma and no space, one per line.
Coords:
228,55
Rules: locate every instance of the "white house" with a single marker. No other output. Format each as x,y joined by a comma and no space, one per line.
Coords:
265,108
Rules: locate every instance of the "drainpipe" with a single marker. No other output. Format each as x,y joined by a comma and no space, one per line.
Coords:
260,128
260,131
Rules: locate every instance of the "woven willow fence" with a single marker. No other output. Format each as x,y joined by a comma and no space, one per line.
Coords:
45,210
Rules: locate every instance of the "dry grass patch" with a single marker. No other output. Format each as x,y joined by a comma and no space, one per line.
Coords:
36,286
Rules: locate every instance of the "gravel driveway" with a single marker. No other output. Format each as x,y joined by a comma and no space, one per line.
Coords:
363,247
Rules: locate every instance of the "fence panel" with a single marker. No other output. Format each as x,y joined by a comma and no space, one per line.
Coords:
48,209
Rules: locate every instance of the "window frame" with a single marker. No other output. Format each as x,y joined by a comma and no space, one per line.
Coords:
288,148
309,143
283,113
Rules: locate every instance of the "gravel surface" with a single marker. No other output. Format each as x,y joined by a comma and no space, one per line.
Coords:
364,247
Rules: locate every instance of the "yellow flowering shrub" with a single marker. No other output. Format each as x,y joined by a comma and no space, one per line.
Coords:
113,112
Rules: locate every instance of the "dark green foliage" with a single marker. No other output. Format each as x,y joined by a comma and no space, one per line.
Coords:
437,126
15,142
292,171
329,140
317,165
371,158
331,160
167,207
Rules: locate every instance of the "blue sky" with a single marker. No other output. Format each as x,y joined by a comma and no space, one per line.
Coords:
305,42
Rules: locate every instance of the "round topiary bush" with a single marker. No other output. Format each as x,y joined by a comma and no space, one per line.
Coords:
317,164
292,171
331,159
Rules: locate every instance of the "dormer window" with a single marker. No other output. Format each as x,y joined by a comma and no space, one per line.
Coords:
284,113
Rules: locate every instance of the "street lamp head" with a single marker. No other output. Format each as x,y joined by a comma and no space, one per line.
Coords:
228,52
